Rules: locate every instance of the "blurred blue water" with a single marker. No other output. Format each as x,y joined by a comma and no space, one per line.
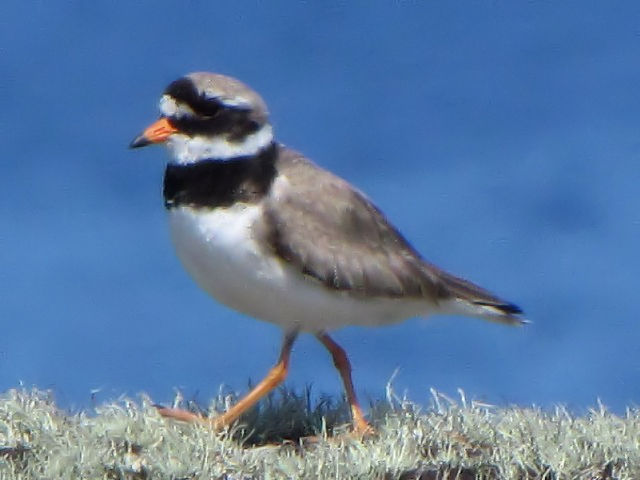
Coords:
502,139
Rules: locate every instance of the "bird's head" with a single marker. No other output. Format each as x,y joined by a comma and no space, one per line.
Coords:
209,116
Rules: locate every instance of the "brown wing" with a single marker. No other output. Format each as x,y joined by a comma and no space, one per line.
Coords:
333,233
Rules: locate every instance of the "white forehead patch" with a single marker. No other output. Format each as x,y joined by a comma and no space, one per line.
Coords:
171,108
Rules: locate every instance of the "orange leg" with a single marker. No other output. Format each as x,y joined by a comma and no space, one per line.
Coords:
274,378
340,360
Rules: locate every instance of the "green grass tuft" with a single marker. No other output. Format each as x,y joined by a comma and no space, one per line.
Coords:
129,440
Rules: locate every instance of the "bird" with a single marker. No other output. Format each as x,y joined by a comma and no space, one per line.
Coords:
267,232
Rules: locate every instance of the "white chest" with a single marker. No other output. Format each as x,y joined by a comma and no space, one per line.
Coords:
219,249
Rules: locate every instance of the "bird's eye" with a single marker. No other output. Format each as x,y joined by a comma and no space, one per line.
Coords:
210,108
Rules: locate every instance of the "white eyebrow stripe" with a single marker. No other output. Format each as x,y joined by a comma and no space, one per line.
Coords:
236,101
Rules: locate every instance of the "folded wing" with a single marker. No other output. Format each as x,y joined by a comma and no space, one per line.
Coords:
335,235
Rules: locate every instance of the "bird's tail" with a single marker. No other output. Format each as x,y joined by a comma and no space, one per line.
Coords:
468,299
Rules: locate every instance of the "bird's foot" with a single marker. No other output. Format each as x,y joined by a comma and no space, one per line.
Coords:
362,429
180,415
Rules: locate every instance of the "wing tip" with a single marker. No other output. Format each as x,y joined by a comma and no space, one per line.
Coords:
494,311
508,313
510,308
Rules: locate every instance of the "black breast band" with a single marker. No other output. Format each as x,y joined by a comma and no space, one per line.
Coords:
220,183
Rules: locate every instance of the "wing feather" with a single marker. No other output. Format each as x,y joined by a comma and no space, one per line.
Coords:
334,234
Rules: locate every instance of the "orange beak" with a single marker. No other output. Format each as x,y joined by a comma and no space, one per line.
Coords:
157,132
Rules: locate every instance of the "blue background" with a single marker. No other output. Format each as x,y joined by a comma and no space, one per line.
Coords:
502,138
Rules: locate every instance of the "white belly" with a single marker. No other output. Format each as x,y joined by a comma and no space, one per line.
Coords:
219,250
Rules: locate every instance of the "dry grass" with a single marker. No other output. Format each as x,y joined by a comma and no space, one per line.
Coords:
128,440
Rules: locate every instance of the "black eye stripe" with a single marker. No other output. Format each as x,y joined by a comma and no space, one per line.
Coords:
235,125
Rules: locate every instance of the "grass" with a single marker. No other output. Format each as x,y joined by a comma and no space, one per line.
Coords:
449,440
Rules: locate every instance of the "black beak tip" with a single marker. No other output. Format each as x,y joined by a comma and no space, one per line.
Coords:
139,141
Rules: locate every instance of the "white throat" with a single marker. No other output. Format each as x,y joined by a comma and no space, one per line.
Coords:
186,150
